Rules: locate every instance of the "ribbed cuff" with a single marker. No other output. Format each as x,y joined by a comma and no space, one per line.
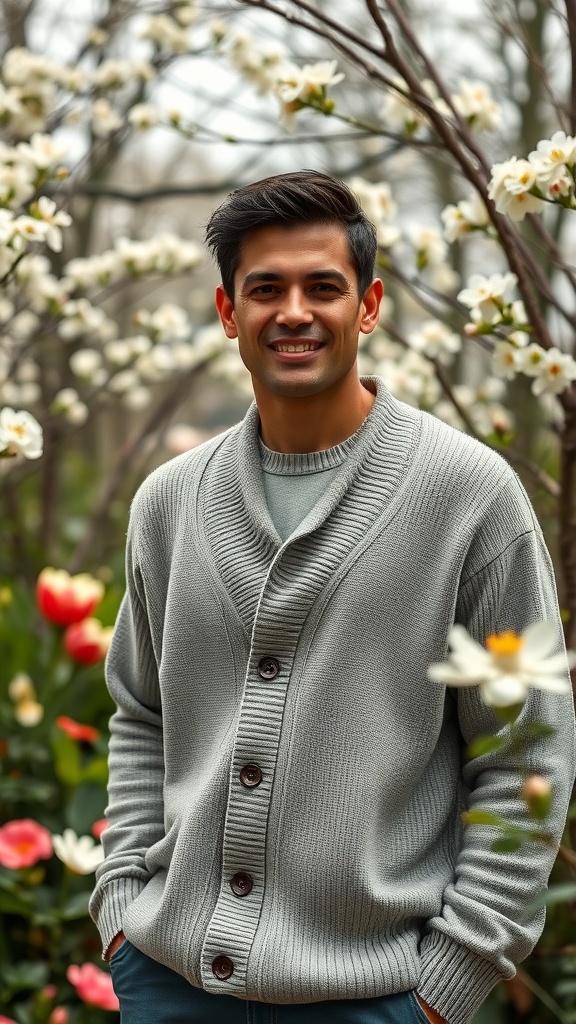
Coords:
454,980
114,898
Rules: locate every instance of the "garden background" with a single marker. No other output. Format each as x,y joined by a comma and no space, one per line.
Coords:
122,124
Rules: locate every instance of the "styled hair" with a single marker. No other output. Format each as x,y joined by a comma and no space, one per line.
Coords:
299,197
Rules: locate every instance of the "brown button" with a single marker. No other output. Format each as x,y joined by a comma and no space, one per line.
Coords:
250,775
222,967
241,883
268,668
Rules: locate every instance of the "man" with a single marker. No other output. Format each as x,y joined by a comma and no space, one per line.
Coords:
286,785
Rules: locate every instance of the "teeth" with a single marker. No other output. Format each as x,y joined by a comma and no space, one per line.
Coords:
296,348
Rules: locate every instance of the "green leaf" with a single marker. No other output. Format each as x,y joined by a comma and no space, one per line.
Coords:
485,745
66,759
480,817
25,975
562,893
77,906
538,729
508,844
16,903
86,806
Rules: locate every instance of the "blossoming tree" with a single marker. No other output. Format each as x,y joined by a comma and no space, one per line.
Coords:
112,124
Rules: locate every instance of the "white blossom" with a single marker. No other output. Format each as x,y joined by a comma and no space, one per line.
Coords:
488,295
510,186
475,102
20,434
434,339
556,371
79,853
45,211
105,119
42,151
509,666
506,360
84,362
468,215
143,116
167,34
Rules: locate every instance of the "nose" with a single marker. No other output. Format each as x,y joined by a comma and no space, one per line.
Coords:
294,309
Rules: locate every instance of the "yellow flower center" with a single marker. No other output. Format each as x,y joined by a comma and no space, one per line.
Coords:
504,643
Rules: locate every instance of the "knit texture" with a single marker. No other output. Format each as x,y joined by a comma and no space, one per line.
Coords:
365,881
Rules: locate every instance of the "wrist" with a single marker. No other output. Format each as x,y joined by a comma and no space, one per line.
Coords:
433,1016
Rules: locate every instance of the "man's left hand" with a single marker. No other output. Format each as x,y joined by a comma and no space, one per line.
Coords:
432,1014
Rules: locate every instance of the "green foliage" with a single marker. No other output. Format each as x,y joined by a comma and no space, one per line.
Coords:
60,783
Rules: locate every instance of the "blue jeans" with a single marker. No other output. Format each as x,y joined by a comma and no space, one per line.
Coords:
150,993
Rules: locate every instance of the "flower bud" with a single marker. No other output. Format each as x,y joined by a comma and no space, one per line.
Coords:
537,795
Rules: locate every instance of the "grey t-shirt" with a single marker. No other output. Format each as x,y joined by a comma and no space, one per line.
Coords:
294,483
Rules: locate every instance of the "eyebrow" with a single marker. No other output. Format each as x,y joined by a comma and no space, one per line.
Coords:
315,275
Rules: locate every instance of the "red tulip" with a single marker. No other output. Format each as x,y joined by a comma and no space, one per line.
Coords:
77,731
64,599
88,641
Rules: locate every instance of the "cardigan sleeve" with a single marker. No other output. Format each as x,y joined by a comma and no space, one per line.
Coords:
487,926
135,811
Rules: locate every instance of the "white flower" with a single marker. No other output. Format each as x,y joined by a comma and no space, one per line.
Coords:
398,112
510,186
555,152
105,119
429,245
85,362
506,360
20,434
509,666
28,712
488,294
45,211
468,215
378,205
136,398
530,358
556,370
79,853
167,34
143,116
435,340
475,103
43,152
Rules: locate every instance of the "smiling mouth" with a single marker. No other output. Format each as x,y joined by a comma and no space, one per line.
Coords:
307,346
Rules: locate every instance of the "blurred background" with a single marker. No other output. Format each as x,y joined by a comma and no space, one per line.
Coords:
123,124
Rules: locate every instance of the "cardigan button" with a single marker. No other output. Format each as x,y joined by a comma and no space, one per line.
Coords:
222,967
241,883
268,668
251,775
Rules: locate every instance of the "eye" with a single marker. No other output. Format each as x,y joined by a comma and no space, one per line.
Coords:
325,287
264,289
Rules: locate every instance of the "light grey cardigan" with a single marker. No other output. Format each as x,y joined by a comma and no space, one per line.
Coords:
365,880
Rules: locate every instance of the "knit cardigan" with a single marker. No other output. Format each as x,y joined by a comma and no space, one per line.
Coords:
306,660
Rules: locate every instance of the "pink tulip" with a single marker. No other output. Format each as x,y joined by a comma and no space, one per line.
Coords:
6,1020
59,1015
64,599
77,731
93,986
23,843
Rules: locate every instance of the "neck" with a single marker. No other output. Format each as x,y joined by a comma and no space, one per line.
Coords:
313,423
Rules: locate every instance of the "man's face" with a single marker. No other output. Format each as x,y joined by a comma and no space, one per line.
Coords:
296,310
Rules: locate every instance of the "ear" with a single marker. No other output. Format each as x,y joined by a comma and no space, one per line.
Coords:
370,306
225,308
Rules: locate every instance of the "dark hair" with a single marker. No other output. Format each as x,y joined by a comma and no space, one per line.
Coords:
300,197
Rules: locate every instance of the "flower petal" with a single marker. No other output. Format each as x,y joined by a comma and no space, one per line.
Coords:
540,639
503,691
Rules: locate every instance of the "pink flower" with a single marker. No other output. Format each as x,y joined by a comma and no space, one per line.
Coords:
6,1020
98,827
59,1015
93,986
23,843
